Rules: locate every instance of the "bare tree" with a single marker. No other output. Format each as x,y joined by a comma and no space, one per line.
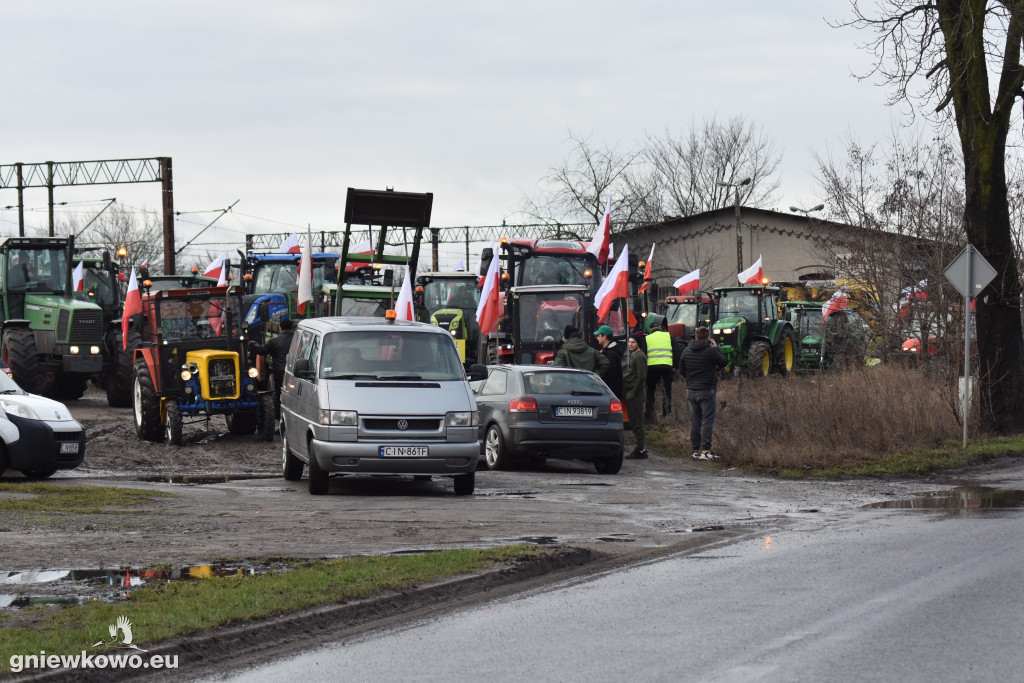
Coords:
577,190
138,231
688,169
967,53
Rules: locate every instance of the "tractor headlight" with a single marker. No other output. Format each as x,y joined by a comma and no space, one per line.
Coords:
249,388
74,349
94,350
454,333
254,373
186,375
727,330
188,390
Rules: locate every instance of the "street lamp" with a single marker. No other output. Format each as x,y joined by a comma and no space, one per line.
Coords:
739,237
806,212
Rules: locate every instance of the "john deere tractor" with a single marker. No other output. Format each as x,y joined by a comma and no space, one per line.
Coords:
193,362
52,343
750,333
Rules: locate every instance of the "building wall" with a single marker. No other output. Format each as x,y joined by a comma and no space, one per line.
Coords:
785,242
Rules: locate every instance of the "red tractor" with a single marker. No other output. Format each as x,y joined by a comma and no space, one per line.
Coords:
192,362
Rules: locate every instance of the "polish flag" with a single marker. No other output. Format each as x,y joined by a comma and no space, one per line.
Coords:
688,283
145,264
601,241
490,299
364,247
305,292
754,274
290,245
216,269
837,302
647,271
403,307
461,265
132,306
78,277
615,286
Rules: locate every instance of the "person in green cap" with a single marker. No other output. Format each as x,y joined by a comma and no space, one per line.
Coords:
612,350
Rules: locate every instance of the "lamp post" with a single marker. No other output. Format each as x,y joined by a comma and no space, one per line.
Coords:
806,212
739,236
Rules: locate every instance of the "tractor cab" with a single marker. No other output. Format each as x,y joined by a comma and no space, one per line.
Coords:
449,301
750,332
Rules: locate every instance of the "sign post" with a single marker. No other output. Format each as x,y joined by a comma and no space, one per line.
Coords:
969,273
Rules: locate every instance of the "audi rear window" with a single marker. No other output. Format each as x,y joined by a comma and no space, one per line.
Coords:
581,383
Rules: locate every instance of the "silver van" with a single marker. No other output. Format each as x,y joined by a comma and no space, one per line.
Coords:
375,396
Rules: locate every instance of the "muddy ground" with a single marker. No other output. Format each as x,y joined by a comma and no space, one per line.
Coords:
230,502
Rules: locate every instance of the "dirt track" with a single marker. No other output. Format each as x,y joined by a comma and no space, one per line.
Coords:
235,505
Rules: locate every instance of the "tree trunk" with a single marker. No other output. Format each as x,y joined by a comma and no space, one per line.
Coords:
998,308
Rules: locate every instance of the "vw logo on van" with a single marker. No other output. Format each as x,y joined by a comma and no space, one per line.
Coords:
403,424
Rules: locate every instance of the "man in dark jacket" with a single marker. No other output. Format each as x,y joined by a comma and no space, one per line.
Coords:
699,367
612,350
635,386
277,349
576,354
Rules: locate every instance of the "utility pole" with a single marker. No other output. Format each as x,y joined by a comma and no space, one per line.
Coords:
739,234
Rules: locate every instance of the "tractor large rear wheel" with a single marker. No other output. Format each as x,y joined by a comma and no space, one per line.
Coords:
19,352
759,360
785,352
118,379
146,405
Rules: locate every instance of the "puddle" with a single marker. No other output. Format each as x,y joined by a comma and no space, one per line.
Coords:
966,498
539,540
194,479
78,586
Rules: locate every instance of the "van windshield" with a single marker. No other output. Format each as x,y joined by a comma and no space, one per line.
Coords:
390,354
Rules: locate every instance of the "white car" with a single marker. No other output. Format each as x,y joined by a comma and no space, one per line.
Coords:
38,436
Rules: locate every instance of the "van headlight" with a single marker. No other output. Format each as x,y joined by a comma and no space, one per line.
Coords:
339,418
18,409
461,419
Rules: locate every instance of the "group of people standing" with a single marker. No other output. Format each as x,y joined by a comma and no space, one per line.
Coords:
648,363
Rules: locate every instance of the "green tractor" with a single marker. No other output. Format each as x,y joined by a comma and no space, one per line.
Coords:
805,317
750,333
449,301
52,343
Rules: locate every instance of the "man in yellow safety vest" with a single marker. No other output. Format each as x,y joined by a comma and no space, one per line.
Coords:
659,369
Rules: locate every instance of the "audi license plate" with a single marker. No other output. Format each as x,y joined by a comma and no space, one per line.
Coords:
573,411
404,451
68,446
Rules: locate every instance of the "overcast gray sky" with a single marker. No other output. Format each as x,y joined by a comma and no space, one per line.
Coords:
283,105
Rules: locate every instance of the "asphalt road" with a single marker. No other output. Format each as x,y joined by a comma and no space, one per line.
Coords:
905,595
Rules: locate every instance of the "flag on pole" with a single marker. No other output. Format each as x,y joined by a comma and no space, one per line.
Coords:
487,309
837,302
601,241
611,250
305,292
364,247
132,306
647,271
754,274
403,306
78,277
615,286
216,268
688,283
145,264
290,245
461,265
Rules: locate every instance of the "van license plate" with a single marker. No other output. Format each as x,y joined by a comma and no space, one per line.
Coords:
68,446
404,451
574,411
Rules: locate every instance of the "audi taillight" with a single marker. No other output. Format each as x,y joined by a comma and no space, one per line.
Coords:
523,405
615,406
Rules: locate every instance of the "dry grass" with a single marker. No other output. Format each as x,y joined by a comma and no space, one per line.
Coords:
819,421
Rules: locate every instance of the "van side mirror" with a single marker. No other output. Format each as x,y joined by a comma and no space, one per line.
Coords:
477,372
301,368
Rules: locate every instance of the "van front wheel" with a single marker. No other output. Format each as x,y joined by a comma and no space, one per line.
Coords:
465,483
317,476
